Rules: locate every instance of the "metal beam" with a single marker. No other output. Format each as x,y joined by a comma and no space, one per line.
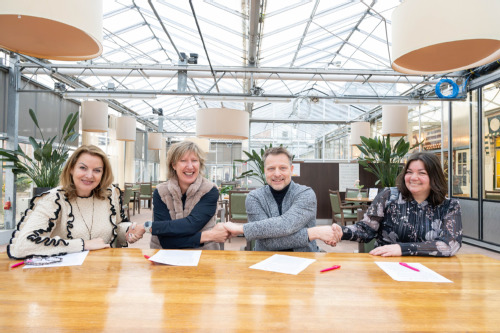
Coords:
253,31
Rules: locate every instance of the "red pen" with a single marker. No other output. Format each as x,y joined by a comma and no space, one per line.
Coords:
330,268
18,264
147,257
408,266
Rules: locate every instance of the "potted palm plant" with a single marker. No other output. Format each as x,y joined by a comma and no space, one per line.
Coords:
382,159
48,160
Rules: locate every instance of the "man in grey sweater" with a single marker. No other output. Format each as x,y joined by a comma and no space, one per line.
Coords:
282,214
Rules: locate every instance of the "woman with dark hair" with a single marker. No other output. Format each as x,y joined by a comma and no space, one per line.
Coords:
83,213
415,218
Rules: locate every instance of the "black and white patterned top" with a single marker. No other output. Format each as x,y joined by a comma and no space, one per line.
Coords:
420,229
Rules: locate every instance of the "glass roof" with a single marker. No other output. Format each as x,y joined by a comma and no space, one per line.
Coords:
317,54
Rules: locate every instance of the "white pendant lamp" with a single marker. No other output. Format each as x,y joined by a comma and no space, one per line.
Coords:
395,120
359,129
94,116
154,141
202,143
430,36
125,128
57,29
222,123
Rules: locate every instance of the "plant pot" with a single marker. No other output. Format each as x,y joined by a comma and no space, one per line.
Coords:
40,190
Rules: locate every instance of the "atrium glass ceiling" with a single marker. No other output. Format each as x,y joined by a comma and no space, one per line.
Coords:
324,56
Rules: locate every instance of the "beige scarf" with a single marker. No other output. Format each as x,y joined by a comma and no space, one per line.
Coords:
170,193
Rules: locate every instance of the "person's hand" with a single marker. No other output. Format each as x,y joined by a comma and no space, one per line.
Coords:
217,234
94,244
324,233
393,250
135,232
337,230
233,228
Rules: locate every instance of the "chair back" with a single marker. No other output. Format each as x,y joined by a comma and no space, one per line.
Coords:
127,194
353,193
335,201
146,189
237,209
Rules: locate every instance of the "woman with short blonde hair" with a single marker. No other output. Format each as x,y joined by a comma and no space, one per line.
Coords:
184,207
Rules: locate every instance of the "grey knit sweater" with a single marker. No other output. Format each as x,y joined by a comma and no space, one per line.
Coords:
273,232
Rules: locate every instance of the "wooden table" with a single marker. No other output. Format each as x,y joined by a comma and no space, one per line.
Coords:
118,290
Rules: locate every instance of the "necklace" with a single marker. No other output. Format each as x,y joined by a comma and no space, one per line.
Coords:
85,222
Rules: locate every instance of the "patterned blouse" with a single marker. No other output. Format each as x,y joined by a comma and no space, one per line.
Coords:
420,229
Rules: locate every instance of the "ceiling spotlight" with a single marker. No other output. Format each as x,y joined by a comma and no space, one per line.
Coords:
58,86
193,58
158,111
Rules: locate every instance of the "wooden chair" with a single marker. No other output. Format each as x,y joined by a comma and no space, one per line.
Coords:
353,193
127,195
340,213
145,193
237,210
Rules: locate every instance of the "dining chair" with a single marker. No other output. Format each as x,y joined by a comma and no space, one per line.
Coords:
340,213
237,210
352,193
127,195
146,194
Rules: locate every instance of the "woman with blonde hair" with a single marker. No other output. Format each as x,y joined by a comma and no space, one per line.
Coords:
83,213
185,205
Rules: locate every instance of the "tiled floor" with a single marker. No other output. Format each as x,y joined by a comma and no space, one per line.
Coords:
237,243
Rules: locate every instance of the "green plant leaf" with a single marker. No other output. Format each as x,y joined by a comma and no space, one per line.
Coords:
34,118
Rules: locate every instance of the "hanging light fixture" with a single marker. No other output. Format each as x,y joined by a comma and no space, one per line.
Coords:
94,116
56,29
222,123
125,128
444,36
154,140
359,129
202,143
395,120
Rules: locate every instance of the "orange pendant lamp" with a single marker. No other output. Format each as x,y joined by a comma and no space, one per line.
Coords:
442,36
57,29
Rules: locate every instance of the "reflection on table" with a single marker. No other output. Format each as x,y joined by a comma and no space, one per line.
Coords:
119,290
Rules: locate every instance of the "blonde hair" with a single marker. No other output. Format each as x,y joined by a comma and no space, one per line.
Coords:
66,180
178,150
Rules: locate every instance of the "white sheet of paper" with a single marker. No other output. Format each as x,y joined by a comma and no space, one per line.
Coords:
283,264
402,273
177,257
71,259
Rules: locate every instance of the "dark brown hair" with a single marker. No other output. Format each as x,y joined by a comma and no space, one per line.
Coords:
66,180
437,180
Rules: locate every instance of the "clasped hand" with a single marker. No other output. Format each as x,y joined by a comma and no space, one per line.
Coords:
135,232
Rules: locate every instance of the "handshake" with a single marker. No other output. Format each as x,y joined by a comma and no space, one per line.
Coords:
219,233
331,235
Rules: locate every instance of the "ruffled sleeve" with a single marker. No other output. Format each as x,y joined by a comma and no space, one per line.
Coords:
44,230
118,214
